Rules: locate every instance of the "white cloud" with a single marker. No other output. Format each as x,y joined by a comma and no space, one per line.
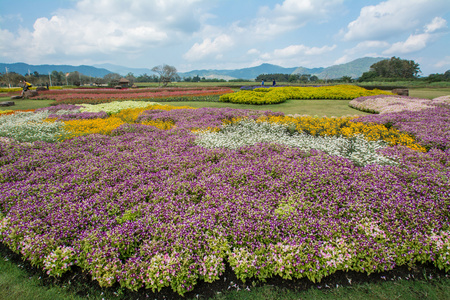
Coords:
101,27
436,24
416,42
297,12
269,24
342,60
443,62
295,55
209,47
392,17
295,50
413,43
253,51
292,14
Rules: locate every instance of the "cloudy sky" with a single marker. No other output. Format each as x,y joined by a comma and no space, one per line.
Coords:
224,34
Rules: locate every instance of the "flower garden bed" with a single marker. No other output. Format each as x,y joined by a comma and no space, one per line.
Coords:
166,197
382,104
273,95
97,96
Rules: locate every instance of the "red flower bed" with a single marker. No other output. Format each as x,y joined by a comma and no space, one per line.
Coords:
107,95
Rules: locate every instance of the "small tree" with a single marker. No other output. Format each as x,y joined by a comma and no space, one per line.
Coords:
112,79
130,77
166,73
346,79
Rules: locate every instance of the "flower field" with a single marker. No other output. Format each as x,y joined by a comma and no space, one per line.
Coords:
98,96
383,104
273,95
161,196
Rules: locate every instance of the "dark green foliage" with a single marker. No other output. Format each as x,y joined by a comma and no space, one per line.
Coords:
392,68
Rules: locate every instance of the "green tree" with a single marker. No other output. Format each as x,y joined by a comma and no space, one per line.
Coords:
346,79
396,68
131,78
368,76
74,78
294,78
112,79
447,75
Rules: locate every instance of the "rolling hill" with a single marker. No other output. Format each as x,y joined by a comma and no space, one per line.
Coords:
22,68
353,69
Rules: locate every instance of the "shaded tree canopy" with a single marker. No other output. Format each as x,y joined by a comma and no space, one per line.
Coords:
396,68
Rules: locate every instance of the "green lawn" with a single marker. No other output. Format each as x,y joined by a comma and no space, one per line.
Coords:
429,93
25,104
319,108
17,282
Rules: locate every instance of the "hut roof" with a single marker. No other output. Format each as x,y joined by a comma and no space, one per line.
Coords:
124,80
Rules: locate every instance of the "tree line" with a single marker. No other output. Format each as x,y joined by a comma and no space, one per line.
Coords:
393,69
73,78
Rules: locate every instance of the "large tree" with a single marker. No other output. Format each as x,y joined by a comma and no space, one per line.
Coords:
112,79
396,68
166,73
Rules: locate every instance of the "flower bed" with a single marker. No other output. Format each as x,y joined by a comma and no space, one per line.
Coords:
150,208
97,96
275,95
430,127
383,104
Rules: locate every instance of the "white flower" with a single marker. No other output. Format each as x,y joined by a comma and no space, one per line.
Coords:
249,132
116,106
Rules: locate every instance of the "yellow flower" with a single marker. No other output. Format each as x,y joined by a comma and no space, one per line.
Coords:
281,94
343,127
84,127
164,125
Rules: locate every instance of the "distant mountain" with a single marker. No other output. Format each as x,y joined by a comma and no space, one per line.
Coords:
353,69
246,73
125,70
22,68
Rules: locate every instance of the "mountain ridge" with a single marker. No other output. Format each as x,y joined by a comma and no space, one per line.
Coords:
353,69
23,68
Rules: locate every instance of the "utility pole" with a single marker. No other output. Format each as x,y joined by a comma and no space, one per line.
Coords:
50,78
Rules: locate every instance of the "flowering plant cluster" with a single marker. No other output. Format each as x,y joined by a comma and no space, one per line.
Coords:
169,206
59,261
11,112
115,107
30,127
97,96
275,95
430,127
8,111
383,104
342,127
250,132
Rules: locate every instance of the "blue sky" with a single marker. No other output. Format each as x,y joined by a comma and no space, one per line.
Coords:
224,34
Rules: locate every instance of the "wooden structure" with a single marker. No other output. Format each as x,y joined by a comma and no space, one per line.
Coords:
124,83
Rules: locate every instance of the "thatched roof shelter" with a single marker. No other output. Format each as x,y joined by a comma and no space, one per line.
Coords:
124,82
